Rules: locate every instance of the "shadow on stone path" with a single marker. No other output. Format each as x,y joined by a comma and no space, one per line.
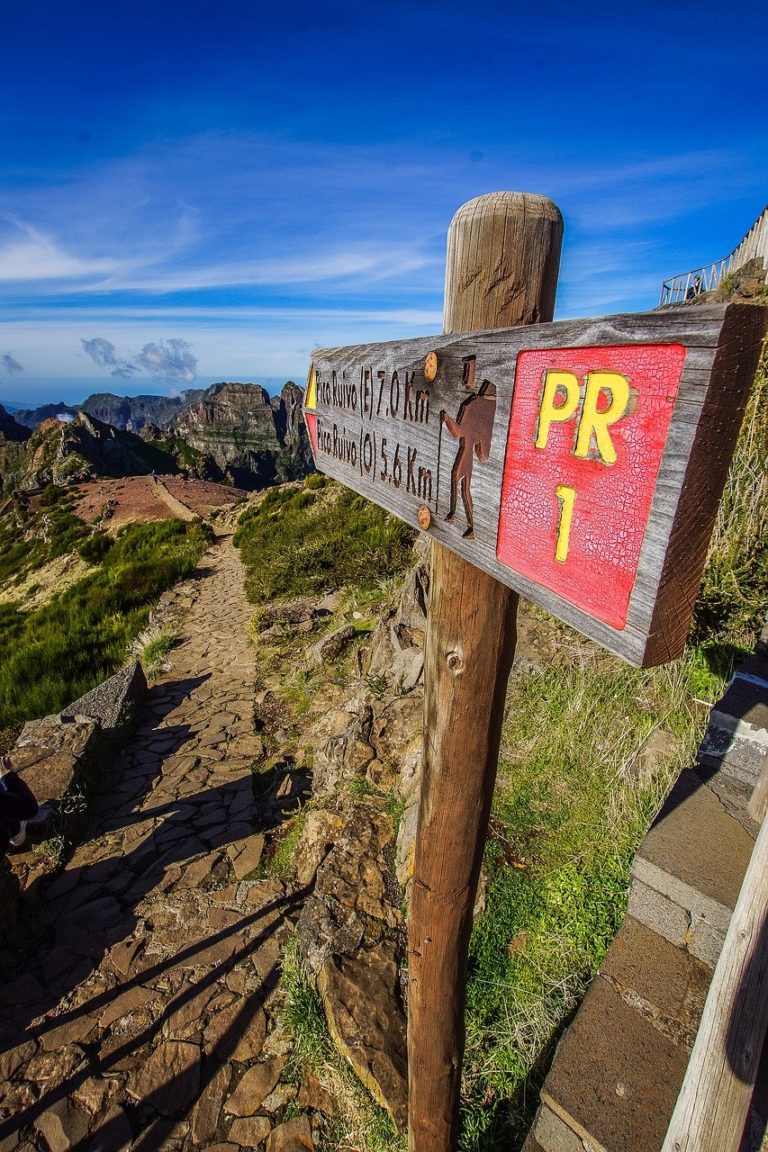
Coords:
150,994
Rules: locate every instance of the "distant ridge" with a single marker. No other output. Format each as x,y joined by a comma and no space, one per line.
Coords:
127,413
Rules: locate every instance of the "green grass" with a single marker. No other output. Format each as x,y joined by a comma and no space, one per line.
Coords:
731,605
152,647
318,539
282,859
54,654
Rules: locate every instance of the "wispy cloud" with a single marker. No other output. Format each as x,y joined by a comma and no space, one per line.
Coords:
104,354
27,254
10,366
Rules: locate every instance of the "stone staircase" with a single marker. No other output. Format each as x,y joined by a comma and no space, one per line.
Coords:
618,1069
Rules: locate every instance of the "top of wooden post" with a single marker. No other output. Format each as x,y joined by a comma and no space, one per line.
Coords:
502,262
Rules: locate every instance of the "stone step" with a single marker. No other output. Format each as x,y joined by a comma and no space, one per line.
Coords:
618,1069
687,874
617,1072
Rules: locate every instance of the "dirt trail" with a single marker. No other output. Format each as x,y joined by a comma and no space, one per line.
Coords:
175,506
137,1017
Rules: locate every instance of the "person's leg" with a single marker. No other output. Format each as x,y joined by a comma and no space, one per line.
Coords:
17,805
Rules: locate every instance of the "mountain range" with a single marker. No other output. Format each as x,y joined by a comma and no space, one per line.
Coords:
231,432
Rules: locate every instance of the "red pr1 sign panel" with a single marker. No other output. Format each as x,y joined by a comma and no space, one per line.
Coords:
580,463
586,437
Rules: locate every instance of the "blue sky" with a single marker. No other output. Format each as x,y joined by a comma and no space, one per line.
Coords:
207,190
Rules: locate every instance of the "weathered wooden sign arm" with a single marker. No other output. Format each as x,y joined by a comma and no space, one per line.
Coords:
579,463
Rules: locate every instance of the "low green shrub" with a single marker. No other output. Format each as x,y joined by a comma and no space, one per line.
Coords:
95,548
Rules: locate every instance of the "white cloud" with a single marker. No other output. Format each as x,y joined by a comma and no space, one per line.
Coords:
35,256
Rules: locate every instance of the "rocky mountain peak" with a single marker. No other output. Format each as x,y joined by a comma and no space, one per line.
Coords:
248,438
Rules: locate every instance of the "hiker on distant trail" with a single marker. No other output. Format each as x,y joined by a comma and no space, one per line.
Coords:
17,806
472,428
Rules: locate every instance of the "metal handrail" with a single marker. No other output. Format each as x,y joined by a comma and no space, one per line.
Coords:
689,285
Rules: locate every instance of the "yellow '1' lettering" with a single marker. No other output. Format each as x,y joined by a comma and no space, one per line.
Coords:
567,497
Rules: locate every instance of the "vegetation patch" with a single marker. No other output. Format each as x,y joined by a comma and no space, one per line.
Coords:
359,1123
316,539
56,653
30,538
574,798
731,605
152,647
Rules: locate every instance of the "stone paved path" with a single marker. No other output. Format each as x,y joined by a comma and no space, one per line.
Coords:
136,1020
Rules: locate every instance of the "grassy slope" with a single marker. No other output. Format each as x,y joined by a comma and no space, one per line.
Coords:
54,654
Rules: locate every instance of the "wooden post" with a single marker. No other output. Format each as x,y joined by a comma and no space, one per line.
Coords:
503,259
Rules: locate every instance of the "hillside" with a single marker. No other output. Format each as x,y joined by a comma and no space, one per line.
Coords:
13,438
60,452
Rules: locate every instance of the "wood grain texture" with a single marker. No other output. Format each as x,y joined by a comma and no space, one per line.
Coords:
721,348
757,809
502,266
714,1100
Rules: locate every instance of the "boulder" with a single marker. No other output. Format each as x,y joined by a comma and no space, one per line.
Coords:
332,645
320,832
115,702
364,1009
325,928
51,753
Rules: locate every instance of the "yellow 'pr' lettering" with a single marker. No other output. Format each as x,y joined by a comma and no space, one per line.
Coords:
555,384
594,423
567,497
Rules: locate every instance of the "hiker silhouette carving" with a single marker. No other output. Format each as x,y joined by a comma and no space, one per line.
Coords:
472,427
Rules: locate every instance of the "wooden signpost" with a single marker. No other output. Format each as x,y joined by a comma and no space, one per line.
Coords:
577,463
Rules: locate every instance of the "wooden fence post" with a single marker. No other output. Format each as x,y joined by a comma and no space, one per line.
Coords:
503,259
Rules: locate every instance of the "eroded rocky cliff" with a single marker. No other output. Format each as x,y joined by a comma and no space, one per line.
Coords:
245,437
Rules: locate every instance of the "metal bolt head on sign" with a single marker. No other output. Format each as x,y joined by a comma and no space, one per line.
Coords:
580,463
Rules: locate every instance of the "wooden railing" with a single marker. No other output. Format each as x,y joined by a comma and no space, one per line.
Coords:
689,285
